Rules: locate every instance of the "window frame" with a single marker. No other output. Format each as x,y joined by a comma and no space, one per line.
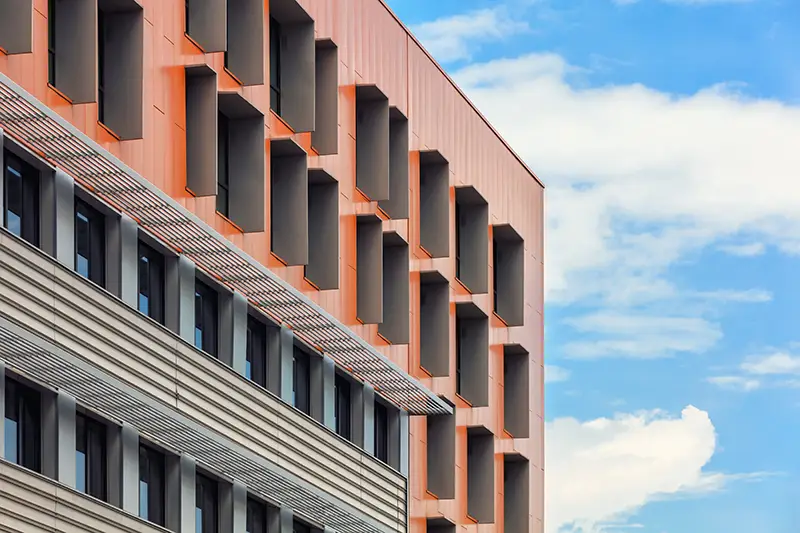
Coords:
256,519
223,165
30,197
101,56
256,351
301,377
156,277
152,464
51,42
96,222
458,240
381,428
459,361
206,318
275,57
91,441
206,503
343,423
24,403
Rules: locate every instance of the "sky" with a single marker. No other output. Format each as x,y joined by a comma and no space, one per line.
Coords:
667,133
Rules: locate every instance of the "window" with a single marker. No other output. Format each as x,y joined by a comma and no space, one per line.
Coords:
223,202
22,426
186,15
495,276
51,42
90,456
459,333
151,283
90,246
205,318
301,378
101,64
381,432
297,527
21,198
274,65
342,406
256,363
151,485
458,241
205,512
256,517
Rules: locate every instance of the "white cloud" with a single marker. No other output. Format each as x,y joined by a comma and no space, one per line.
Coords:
780,363
688,2
456,37
637,178
639,336
748,296
555,374
738,383
743,250
602,471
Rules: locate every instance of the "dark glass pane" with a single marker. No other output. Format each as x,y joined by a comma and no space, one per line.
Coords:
90,243
198,320
342,406
144,284
151,283
256,517
13,198
205,505
80,453
381,433
222,164
151,485
256,352
82,244
300,391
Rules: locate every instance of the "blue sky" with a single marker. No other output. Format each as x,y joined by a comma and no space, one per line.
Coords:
668,134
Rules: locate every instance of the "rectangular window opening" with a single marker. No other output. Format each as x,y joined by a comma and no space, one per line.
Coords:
301,397
223,145
22,425
342,406
205,318
90,243
21,198
256,361
90,456
151,283
256,517
381,432
275,65
206,505
152,503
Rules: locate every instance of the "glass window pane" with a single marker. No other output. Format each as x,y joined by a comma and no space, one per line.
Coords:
10,440
143,501
82,244
80,471
14,201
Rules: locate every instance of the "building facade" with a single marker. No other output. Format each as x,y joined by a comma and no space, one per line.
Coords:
263,268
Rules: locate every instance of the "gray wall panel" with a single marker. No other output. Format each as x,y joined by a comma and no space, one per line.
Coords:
434,205
509,275
474,345
372,146
247,164
516,391
289,207
2,406
369,270
473,240
76,49
396,317
66,439
16,26
480,477
325,137
298,73
124,73
245,20
201,131
64,219
207,24
397,204
130,469
323,233
129,261
441,455
434,323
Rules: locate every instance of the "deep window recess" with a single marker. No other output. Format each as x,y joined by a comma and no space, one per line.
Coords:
223,178
301,397
186,16
21,199
151,485
90,238
205,512
205,318
256,517
459,361
274,65
342,406
90,456
22,426
256,363
51,42
381,432
458,241
101,65
151,283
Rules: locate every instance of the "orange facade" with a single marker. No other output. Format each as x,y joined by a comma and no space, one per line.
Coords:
373,48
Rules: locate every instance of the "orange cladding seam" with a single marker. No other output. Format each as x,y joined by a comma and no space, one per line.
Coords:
373,48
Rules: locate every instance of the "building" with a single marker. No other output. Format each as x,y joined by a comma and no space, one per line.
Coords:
262,268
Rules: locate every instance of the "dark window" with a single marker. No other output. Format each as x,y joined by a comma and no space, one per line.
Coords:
205,512
186,15
274,65
494,275
458,241
297,527
51,42
151,283
151,485
459,327
90,236
101,62
256,517
301,377
256,363
223,197
22,426
205,318
342,406
90,456
21,199
381,432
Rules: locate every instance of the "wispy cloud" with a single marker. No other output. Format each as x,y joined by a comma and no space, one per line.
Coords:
457,37
738,383
743,250
556,374
687,2
773,370
780,363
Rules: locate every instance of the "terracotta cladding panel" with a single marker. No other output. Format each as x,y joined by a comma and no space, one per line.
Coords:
373,48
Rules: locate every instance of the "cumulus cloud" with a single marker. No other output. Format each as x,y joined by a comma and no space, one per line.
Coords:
608,468
555,374
637,178
456,37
